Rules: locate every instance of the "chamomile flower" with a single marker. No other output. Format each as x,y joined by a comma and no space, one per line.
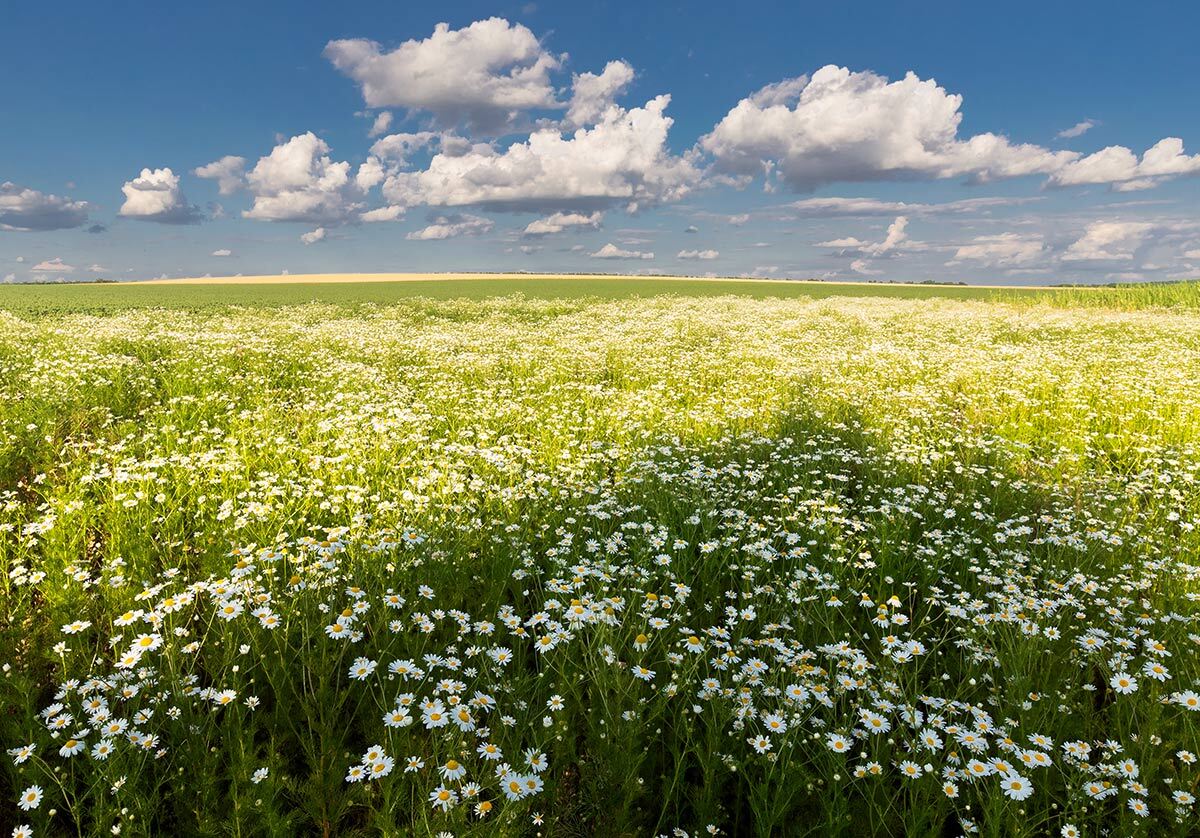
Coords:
30,798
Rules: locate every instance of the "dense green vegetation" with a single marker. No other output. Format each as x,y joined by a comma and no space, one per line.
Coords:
34,300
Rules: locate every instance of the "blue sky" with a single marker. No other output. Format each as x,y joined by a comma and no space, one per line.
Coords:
854,141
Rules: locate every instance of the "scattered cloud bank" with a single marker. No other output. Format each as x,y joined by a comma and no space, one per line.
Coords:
1108,241
487,119
1005,250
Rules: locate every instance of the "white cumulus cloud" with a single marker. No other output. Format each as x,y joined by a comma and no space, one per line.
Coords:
703,255
313,236
859,126
154,195
224,251
298,181
483,75
1119,166
622,159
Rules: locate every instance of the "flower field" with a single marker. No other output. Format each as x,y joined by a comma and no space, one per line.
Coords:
664,566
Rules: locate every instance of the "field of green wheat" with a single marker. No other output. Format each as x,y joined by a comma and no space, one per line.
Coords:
673,564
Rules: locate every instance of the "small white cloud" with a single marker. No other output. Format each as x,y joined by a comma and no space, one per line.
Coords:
383,121
692,228
229,172
388,213
449,226
1077,130
560,221
222,252
847,243
704,255
313,236
895,237
862,266
99,269
55,265
739,220
9,279
611,251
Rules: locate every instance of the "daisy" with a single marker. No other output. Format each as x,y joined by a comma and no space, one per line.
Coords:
30,798
761,744
397,718
22,753
1124,683
70,748
1015,786
453,770
1188,699
837,743
443,798
380,767
362,668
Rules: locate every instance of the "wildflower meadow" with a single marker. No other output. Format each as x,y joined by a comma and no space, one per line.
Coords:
672,565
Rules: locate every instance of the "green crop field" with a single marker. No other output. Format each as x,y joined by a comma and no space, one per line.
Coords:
599,557
37,300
